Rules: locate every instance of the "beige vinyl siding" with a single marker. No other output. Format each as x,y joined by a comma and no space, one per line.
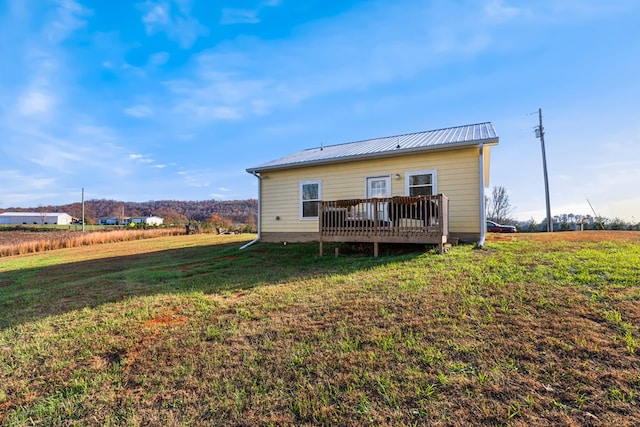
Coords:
457,178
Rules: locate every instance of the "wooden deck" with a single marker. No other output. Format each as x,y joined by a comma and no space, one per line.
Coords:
417,219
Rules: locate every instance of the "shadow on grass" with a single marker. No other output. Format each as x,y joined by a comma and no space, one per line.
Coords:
34,293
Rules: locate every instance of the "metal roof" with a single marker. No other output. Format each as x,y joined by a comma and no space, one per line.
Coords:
390,145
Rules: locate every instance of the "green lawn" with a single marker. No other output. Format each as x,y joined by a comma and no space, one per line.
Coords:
188,330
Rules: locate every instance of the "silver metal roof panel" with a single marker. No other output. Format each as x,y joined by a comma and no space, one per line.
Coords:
391,145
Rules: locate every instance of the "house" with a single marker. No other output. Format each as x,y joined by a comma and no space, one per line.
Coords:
146,220
40,218
424,187
119,220
110,220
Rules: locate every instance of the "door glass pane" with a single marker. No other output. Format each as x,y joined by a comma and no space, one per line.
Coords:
378,188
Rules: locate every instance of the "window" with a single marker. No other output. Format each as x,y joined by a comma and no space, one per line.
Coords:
379,186
310,195
421,183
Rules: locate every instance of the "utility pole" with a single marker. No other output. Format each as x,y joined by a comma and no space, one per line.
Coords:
83,209
540,134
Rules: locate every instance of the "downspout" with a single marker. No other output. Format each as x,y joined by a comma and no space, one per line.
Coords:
483,217
259,219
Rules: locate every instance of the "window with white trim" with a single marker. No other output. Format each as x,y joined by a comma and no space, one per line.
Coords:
310,196
421,183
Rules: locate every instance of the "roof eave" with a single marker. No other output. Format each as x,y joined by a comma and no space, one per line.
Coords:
400,152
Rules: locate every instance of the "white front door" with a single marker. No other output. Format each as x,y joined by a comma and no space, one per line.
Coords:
378,186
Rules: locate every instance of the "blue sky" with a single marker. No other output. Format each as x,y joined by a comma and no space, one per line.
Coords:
174,99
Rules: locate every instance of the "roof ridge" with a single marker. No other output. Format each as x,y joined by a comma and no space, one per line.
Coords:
455,136
399,135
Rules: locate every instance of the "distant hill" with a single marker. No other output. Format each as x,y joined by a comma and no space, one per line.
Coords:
173,211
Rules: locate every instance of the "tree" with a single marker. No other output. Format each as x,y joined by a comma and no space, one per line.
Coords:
498,206
171,216
218,221
43,214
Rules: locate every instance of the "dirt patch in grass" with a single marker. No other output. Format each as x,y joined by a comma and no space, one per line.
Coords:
168,318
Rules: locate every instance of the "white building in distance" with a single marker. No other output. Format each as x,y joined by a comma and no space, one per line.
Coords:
146,220
38,218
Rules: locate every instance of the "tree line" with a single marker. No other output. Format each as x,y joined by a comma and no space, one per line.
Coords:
499,209
178,212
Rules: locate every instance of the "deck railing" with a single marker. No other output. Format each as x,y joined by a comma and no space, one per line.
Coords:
414,219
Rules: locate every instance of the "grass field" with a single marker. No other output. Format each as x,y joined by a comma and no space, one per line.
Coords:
187,330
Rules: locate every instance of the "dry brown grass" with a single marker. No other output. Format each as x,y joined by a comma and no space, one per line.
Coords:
25,242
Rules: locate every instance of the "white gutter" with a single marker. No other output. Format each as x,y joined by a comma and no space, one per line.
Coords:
259,220
483,218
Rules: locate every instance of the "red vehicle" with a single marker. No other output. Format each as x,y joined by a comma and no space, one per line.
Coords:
494,227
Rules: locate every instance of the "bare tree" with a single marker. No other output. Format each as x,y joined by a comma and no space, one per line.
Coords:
43,214
498,206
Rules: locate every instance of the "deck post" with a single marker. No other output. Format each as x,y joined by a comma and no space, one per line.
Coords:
321,223
375,249
376,218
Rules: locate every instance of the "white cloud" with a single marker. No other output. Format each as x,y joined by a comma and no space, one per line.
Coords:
82,149
157,15
209,95
35,102
497,10
239,16
24,189
578,9
140,111
145,160
197,179
180,26
33,182
69,17
224,113
285,72
231,16
159,58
